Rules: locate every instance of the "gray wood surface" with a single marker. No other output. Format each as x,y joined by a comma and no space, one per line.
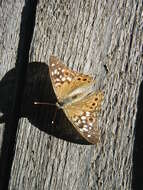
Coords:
10,18
88,36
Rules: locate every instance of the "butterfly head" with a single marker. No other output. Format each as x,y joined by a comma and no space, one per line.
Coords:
60,105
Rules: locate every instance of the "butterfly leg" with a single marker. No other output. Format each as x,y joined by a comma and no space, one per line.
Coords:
54,117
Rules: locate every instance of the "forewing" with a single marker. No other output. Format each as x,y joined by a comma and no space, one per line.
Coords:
65,80
84,116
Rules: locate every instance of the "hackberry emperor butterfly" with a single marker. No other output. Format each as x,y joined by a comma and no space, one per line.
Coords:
76,97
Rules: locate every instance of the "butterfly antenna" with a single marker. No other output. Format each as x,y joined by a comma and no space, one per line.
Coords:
44,103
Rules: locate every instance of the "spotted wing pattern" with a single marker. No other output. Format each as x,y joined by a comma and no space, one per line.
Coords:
65,80
84,115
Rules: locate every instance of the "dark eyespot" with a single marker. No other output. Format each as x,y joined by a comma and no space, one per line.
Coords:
79,78
84,79
93,104
66,73
96,99
90,119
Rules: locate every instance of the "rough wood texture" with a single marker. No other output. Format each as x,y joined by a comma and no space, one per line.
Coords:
10,18
89,36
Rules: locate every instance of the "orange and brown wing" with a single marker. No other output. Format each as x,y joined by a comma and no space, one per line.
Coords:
65,80
84,116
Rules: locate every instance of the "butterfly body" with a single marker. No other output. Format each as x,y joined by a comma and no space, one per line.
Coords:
77,97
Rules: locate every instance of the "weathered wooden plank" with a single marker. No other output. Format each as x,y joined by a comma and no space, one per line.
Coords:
10,18
11,92
9,31
87,35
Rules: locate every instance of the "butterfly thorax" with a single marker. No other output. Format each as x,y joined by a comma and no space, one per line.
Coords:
75,96
68,101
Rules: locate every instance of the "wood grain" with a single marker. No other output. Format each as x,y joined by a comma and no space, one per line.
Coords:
10,18
88,36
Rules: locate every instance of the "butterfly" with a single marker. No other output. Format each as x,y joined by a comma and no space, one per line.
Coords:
76,97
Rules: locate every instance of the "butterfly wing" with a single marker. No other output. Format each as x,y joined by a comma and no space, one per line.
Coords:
65,80
83,115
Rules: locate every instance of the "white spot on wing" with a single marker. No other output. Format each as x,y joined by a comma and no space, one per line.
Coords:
84,129
87,113
69,78
63,79
63,70
83,117
55,72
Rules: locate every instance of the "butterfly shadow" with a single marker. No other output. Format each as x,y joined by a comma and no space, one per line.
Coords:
38,88
138,144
